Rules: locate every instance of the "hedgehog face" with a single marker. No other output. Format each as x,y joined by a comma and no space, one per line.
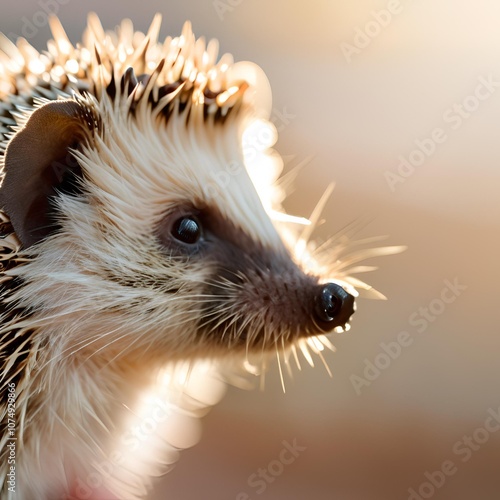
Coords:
255,296
130,245
135,199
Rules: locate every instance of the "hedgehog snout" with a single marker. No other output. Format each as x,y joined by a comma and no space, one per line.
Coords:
333,306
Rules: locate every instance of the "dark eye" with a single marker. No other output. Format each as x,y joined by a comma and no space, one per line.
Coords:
187,229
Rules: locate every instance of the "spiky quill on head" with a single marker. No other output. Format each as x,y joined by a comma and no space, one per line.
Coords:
138,235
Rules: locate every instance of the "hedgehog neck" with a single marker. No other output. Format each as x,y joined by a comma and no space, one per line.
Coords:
79,407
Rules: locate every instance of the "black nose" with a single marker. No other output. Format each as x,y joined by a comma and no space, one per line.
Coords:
333,306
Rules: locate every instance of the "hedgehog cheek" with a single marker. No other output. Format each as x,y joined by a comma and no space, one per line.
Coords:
38,163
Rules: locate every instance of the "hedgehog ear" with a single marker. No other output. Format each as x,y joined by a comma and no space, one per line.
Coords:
38,164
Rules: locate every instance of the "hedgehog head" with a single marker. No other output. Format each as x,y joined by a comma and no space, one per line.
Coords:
131,184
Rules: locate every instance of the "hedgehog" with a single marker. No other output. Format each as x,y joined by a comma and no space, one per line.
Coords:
146,259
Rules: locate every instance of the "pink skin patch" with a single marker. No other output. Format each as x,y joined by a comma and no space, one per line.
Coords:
84,492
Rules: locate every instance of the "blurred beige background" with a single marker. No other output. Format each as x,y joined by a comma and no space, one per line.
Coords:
356,104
